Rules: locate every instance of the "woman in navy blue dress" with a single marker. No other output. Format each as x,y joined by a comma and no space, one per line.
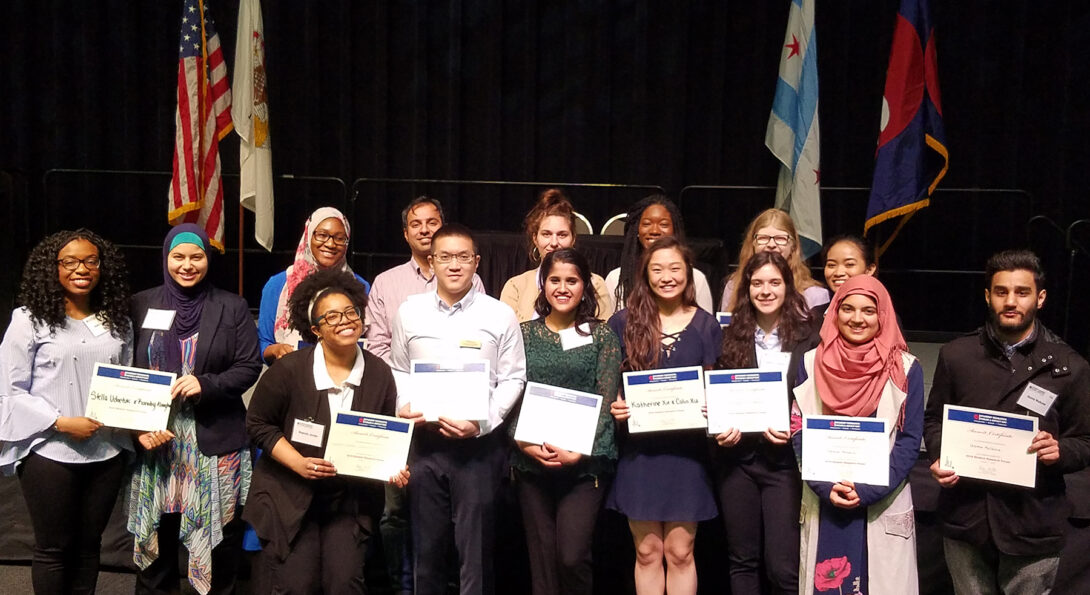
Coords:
662,482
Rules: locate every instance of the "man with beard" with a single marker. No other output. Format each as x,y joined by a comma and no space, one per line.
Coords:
1000,537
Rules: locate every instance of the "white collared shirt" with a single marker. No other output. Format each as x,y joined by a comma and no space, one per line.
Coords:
340,395
767,345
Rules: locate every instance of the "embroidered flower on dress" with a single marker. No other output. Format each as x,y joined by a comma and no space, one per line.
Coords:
831,573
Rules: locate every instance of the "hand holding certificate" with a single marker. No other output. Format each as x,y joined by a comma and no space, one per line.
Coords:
129,398
838,448
749,400
451,389
564,418
989,445
368,445
669,399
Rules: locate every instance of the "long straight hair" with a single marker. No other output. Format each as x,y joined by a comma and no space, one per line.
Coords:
779,219
793,326
588,305
643,330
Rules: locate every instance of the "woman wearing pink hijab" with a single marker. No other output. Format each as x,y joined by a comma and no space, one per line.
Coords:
859,538
324,245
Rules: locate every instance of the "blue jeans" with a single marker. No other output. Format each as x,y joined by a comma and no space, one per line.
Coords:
987,571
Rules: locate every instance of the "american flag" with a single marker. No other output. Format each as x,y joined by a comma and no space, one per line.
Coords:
202,119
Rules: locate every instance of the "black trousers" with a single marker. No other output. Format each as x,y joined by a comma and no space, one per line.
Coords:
69,505
760,508
453,498
327,556
162,575
559,512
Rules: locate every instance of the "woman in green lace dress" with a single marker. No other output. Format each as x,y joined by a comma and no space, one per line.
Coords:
560,492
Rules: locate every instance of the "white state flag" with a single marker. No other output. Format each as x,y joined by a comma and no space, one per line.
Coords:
250,113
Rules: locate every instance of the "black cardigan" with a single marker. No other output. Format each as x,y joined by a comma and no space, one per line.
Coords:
227,365
279,497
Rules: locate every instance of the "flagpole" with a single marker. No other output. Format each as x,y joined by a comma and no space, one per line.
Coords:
241,230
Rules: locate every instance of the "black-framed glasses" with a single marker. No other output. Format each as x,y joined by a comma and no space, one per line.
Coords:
464,257
338,240
72,263
763,240
350,314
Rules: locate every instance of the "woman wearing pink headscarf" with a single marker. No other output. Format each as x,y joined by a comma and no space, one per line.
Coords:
324,245
859,538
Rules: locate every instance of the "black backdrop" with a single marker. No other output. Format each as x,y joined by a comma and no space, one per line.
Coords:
628,91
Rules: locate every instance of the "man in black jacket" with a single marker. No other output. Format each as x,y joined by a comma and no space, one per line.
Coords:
1000,537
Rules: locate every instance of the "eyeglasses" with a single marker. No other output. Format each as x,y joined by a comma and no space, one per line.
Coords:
72,263
338,240
763,240
444,258
334,318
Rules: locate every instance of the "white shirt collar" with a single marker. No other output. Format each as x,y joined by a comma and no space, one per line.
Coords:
461,304
322,381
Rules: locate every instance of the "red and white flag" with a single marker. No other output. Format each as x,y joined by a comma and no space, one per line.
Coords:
202,119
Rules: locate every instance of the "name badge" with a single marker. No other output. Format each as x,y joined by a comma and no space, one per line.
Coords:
570,338
158,320
306,432
1036,399
94,324
469,344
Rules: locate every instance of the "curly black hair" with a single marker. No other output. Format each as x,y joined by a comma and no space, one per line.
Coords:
40,291
322,283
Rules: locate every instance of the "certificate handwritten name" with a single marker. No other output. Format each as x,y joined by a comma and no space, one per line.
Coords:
668,399
129,398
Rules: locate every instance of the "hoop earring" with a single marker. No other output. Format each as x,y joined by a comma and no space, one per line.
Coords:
534,254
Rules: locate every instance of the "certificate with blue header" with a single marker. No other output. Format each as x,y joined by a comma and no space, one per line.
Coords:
839,448
454,389
129,398
564,418
990,445
750,400
669,399
367,444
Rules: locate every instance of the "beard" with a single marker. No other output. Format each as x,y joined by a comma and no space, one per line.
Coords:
1012,329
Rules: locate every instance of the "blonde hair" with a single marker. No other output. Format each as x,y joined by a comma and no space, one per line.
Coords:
779,219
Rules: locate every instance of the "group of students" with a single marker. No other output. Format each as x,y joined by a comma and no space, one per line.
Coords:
559,324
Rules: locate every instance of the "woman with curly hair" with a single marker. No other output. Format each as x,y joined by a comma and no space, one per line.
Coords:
315,525
772,230
324,245
662,483
191,480
74,312
756,477
549,226
651,218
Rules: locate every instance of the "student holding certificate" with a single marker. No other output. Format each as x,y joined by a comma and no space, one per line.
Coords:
560,491
207,337
756,476
860,537
314,524
662,483
74,312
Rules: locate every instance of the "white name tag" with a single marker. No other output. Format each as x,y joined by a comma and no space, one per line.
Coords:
94,324
306,432
158,320
1036,399
570,338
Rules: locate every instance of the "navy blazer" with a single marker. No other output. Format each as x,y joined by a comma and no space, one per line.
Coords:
227,365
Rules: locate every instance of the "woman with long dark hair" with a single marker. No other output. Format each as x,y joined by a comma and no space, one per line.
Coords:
560,492
756,476
191,479
662,482
74,313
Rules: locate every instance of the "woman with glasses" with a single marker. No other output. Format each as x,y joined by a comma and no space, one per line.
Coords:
74,313
324,245
315,525
774,231
190,481
549,226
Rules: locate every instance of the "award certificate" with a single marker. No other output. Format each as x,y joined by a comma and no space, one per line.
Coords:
564,418
838,448
450,388
129,398
988,445
368,445
750,400
669,399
